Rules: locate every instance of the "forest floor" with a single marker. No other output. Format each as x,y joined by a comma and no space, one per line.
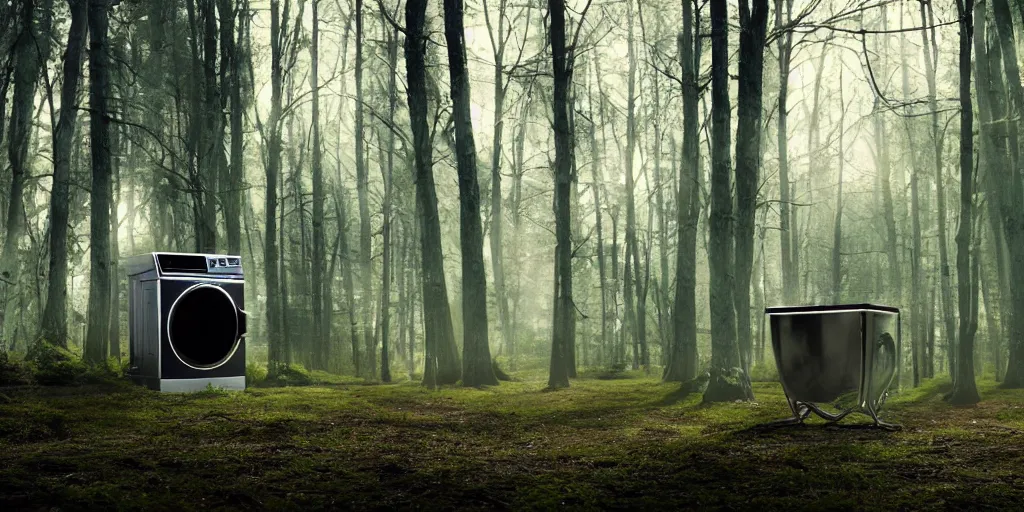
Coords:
628,443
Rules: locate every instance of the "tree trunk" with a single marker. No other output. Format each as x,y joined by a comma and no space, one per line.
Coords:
362,190
476,363
964,388
320,342
99,195
1011,198
930,50
837,230
598,181
564,322
385,361
753,22
790,274
32,48
275,355
684,360
441,364
916,307
54,320
497,218
724,351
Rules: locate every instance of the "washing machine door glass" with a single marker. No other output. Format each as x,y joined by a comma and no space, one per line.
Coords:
202,326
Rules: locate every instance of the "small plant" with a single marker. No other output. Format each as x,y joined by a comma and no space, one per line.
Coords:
210,392
255,374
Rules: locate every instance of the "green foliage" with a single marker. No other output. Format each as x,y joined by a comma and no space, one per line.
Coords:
255,374
55,366
13,372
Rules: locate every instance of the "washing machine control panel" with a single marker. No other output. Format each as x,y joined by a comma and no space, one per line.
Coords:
222,264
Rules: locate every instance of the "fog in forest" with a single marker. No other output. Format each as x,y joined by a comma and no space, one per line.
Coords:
454,192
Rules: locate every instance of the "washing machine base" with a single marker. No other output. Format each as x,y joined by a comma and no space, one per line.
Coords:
193,385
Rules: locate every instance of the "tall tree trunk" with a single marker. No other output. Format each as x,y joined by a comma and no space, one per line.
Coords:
753,23
684,360
346,276
724,350
992,105
837,230
1011,198
476,353
564,323
598,181
385,314
892,246
99,195
231,69
964,388
497,218
320,342
32,47
275,353
363,192
114,337
632,249
441,362
930,50
790,274
54,320
916,306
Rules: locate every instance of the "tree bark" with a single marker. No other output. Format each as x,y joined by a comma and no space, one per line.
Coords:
1011,198
790,275
753,24
54,319
964,388
385,361
837,230
682,365
99,195
32,47
724,351
441,365
916,308
275,355
564,322
930,50
476,353
320,342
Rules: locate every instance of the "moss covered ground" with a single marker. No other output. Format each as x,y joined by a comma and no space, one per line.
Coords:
625,443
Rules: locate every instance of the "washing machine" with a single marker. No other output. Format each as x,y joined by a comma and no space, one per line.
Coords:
187,321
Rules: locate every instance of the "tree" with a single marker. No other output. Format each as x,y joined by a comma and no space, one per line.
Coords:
1011,198
32,47
563,329
54,320
724,351
441,365
476,353
99,194
682,365
964,388
319,340
753,24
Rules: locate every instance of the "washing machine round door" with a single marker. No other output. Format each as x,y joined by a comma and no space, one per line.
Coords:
202,327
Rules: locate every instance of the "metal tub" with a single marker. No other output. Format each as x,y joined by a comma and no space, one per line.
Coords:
835,360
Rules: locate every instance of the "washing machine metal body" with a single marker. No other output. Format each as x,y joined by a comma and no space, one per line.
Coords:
187,321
